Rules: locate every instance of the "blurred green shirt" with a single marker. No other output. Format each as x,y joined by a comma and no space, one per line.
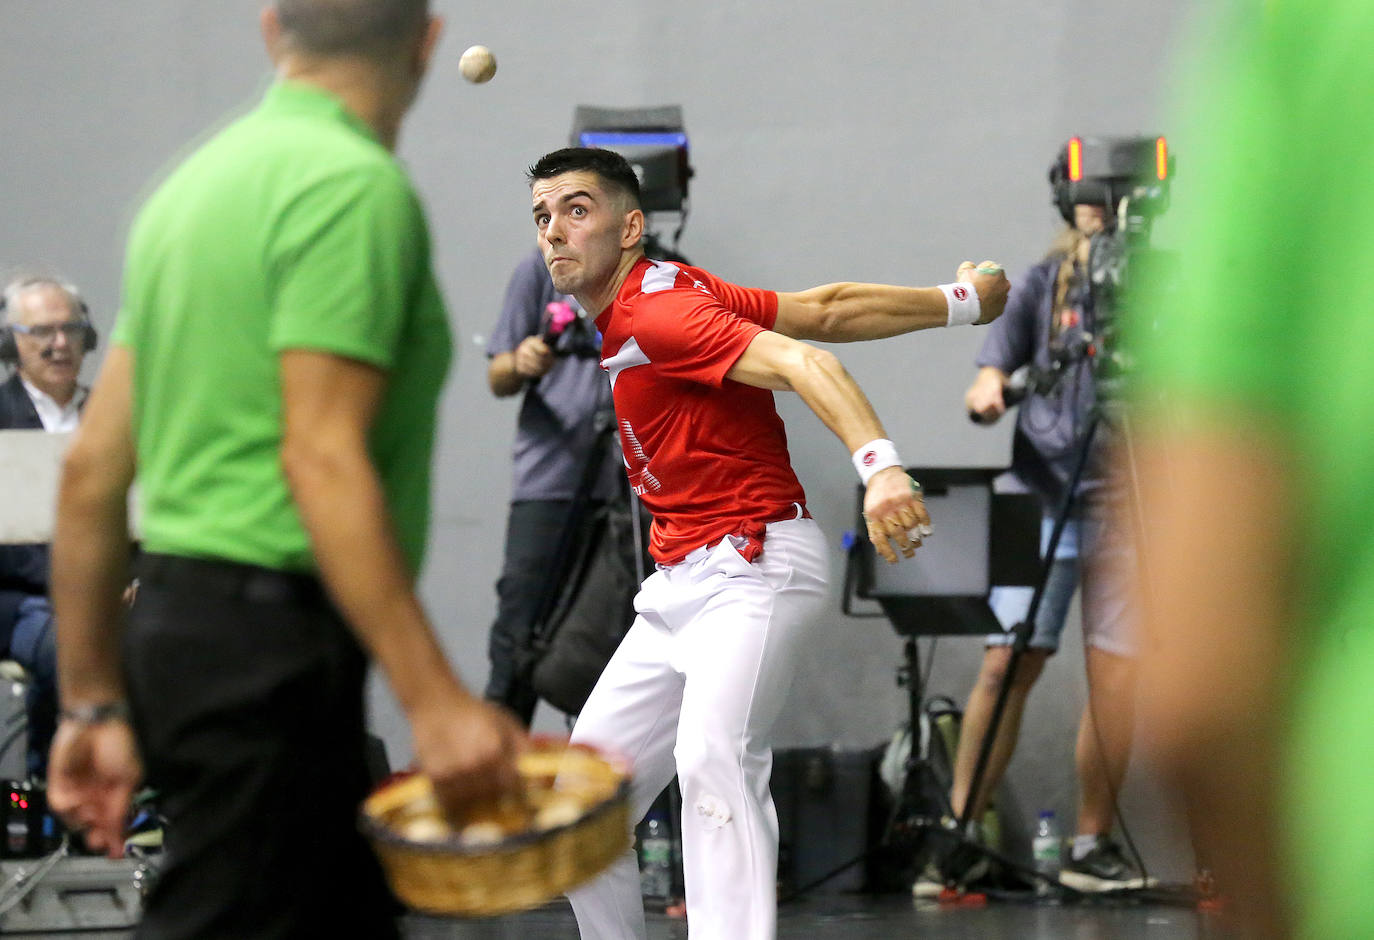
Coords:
1273,316
292,228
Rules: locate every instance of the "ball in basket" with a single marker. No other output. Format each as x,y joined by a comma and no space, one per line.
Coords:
568,824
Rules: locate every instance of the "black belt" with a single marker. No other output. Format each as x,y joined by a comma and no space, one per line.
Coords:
230,579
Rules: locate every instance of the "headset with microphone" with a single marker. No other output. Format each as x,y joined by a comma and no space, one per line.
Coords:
9,347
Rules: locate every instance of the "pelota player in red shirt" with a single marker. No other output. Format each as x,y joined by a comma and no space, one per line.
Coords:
700,678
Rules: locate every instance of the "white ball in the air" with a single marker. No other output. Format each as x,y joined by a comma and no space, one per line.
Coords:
477,64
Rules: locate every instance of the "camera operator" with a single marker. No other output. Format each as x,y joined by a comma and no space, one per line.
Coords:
1045,333
554,360
45,337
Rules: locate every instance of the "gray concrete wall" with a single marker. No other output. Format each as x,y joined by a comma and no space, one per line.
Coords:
881,141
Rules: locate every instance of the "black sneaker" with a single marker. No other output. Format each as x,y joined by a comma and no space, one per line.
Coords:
1103,869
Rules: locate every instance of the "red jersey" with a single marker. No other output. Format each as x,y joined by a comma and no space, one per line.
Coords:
707,455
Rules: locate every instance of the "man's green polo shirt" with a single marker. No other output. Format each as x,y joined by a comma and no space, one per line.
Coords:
1271,325
292,228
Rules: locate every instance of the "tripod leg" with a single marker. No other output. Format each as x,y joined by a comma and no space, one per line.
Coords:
1023,630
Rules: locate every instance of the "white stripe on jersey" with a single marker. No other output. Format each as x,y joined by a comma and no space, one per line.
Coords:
660,276
629,356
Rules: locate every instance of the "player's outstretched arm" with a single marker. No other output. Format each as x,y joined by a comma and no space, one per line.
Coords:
848,312
892,505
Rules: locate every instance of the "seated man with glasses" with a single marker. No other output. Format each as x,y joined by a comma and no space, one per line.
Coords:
45,336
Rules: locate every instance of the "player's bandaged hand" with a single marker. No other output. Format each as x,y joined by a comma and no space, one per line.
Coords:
895,513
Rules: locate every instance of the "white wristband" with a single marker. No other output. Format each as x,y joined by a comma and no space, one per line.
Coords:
963,304
874,456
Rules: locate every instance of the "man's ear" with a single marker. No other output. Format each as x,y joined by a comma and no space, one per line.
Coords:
633,230
428,40
270,25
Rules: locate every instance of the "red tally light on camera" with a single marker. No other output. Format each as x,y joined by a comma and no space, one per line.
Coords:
1161,158
1075,158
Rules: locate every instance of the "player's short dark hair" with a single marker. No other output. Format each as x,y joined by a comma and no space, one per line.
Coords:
351,27
611,168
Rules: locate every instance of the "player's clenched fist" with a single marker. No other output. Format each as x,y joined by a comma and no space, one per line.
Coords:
990,281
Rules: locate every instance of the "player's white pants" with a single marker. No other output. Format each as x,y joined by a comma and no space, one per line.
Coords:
696,686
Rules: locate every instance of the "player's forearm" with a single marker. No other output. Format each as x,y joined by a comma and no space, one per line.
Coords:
502,378
823,383
775,361
90,558
343,508
850,312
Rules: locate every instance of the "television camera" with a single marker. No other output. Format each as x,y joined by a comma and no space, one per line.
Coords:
1130,178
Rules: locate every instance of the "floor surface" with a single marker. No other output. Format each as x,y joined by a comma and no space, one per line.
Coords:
885,917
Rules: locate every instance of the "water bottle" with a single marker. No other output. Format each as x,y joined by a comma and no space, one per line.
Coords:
656,858
1047,848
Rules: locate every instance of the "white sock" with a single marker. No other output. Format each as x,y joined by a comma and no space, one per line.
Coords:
1082,845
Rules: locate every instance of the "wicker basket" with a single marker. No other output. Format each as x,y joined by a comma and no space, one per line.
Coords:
444,873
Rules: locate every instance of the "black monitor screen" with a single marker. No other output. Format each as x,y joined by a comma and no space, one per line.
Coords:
659,159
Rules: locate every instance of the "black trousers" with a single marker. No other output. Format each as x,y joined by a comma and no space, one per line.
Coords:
533,535
247,696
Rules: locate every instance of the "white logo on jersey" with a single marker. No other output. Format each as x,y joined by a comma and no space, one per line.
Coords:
660,276
627,357
663,275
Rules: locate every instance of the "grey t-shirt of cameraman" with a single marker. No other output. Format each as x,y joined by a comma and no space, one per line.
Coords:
555,429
